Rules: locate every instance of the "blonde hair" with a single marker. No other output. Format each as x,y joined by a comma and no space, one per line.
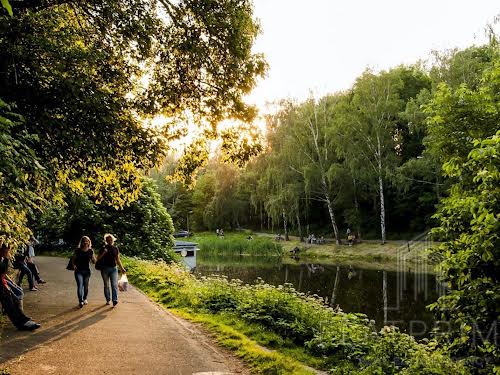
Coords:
109,235
84,238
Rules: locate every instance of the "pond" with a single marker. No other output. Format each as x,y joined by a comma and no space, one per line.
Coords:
397,297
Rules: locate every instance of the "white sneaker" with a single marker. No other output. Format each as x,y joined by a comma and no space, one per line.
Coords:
85,302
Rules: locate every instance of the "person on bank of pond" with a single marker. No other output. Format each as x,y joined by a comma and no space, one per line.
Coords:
11,295
110,256
84,255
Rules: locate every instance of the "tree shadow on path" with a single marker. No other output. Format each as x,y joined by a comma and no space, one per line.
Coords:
20,342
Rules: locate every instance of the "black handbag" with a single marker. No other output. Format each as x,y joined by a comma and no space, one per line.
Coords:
99,265
71,266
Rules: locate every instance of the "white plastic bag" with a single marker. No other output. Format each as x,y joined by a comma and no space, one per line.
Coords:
123,283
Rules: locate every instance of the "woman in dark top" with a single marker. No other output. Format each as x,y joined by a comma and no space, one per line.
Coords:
110,256
84,255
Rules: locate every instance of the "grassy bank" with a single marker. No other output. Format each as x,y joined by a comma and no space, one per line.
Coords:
371,251
277,330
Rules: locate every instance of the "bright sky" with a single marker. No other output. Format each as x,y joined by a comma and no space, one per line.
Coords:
321,46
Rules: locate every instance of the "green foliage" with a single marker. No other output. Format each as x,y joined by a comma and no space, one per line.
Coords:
469,221
175,196
8,7
216,201
76,74
240,144
457,116
237,244
345,343
23,180
397,353
143,228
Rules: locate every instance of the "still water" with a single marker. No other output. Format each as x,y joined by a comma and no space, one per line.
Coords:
396,297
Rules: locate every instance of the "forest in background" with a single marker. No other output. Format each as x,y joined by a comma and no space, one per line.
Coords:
369,158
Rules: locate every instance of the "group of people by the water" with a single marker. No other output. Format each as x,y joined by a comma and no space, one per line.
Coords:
107,261
312,239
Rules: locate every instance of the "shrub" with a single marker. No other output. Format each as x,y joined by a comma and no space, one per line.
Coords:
144,228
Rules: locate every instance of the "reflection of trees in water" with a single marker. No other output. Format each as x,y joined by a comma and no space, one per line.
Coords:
375,293
335,286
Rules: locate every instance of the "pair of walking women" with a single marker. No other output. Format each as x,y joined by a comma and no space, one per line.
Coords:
109,259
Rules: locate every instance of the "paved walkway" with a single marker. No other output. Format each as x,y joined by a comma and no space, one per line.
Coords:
135,337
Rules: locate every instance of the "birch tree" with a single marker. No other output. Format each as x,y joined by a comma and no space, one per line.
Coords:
309,152
368,123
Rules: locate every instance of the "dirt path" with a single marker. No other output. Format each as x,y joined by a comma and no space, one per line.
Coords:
136,337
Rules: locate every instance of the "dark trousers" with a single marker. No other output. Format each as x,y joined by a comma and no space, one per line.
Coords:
25,271
12,307
82,284
34,270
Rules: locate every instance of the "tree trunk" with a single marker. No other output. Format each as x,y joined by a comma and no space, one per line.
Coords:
299,226
285,225
381,190
356,207
330,211
261,218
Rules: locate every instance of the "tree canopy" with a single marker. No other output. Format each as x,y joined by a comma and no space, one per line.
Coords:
84,75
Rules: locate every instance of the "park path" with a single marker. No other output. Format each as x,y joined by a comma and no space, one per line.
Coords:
135,337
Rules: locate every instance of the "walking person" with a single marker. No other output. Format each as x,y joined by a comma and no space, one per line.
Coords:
11,295
82,258
110,256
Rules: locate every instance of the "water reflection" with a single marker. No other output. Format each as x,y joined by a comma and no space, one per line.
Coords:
388,297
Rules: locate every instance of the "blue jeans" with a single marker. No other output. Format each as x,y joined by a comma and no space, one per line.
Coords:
25,271
82,284
17,291
110,274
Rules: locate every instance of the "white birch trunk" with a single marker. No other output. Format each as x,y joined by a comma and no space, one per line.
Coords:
321,159
381,190
285,225
301,236
330,211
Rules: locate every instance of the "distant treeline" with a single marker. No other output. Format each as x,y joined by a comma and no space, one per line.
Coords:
369,158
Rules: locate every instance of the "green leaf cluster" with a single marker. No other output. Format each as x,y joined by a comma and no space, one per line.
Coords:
143,228
469,217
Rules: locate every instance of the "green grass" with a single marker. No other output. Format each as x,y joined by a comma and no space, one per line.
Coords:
231,333
236,244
